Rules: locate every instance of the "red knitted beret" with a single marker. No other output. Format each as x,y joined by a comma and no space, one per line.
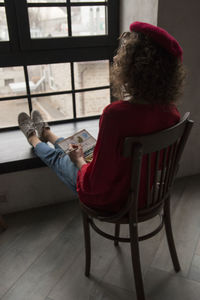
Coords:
160,36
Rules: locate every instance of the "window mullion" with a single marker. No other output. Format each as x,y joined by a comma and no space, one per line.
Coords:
69,19
73,89
28,88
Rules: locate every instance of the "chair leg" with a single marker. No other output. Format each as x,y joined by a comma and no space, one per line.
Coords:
2,223
86,228
117,231
135,254
170,239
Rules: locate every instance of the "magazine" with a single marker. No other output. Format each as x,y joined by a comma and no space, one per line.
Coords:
84,138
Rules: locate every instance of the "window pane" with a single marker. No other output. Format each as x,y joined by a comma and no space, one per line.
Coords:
88,20
53,108
3,25
91,74
45,1
48,22
92,103
88,0
9,111
12,81
49,78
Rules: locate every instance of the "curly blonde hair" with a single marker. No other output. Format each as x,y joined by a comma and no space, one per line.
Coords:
144,72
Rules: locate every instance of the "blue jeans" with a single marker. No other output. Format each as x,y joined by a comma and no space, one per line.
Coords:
59,162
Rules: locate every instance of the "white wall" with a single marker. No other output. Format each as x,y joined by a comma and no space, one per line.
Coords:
181,19
137,10
32,188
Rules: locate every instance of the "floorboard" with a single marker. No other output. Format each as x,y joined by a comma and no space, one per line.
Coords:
163,285
186,228
37,235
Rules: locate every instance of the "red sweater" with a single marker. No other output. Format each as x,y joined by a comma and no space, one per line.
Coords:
103,182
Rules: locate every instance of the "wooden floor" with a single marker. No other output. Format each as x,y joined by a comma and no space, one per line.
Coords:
42,255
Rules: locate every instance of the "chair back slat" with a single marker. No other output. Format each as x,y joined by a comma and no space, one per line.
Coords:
156,177
171,163
163,175
135,182
148,181
168,169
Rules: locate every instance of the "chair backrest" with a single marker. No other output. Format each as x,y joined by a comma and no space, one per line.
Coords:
155,160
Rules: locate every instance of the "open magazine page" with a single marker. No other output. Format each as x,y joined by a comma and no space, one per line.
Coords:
84,138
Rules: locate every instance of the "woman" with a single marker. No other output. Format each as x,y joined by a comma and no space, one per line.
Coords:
147,74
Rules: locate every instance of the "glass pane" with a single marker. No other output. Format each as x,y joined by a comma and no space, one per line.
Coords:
88,0
53,108
48,22
92,103
12,81
88,20
3,25
45,1
49,78
9,111
91,74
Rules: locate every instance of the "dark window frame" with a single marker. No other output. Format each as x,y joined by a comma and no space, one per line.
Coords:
23,51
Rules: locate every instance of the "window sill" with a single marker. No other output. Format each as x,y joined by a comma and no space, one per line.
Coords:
17,155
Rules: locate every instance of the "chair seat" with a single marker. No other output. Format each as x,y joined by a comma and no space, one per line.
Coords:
143,214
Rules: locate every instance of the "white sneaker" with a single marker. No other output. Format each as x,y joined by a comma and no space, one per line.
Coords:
26,125
40,124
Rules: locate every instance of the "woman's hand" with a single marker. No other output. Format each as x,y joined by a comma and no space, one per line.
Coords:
76,155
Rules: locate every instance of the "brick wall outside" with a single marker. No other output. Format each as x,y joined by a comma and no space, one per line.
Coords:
87,75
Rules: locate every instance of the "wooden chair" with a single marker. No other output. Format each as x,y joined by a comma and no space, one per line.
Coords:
162,152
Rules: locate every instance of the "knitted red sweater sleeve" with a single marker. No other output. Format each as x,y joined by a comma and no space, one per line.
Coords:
93,178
